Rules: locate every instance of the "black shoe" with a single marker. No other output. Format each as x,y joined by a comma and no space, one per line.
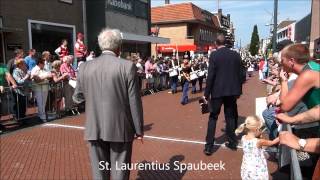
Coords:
208,150
232,146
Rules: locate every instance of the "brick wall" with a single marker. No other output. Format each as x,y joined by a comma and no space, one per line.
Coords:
176,32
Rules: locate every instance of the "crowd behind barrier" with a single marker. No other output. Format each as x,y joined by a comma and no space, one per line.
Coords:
274,72
44,87
285,155
20,108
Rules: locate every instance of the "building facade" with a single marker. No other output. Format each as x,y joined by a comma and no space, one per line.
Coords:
302,30
38,24
190,29
264,45
226,27
286,31
315,28
131,17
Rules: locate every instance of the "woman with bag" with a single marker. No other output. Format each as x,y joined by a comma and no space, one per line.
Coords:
68,83
21,76
58,78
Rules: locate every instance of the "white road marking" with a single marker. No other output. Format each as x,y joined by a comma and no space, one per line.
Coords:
145,136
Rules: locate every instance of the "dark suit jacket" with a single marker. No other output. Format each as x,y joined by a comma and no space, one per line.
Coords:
224,74
110,88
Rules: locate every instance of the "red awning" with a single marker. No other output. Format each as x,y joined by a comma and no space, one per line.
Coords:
180,48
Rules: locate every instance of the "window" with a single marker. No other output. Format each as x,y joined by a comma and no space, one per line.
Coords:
46,36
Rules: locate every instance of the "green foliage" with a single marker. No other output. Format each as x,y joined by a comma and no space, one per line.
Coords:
254,45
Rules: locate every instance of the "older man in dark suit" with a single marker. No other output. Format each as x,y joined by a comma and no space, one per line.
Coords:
223,88
110,88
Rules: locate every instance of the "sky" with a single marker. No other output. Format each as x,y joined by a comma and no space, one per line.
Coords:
246,13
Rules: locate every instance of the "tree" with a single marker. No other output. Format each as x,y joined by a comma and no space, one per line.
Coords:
254,45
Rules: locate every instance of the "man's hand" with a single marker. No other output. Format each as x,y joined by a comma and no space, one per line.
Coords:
283,75
1,89
205,99
140,137
14,86
36,78
284,118
272,99
48,76
288,139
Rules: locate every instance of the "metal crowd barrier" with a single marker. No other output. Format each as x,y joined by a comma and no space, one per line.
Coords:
11,99
289,156
10,103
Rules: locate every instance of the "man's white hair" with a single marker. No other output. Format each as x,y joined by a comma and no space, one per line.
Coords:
109,39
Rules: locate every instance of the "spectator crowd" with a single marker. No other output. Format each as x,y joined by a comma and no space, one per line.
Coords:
43,79
293,98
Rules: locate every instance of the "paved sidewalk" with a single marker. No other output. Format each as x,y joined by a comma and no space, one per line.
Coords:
56,150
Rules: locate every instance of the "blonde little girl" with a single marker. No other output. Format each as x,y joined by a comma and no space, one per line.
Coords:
254,164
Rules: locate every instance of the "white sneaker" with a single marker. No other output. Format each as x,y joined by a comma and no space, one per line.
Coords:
43,119
52,117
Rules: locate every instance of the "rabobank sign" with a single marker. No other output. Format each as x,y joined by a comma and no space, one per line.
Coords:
124,5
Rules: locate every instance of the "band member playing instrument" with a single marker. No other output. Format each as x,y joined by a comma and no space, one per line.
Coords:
185,79
173,74
194,68
202,68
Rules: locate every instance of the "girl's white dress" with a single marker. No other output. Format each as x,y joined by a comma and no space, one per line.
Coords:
254,164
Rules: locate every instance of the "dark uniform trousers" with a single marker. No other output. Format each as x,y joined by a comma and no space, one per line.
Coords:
230,112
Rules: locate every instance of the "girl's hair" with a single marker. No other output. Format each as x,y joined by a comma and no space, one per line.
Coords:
56,64
251,123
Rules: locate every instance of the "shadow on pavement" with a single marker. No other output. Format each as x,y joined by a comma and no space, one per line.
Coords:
147,127
194,99
160,172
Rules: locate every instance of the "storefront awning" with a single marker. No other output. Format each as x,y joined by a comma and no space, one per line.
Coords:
144,39
182,48
174,48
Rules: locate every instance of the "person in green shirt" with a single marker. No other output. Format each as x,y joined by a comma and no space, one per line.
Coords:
296,59
5,77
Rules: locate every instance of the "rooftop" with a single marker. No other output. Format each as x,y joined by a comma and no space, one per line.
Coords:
285,23
182,12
